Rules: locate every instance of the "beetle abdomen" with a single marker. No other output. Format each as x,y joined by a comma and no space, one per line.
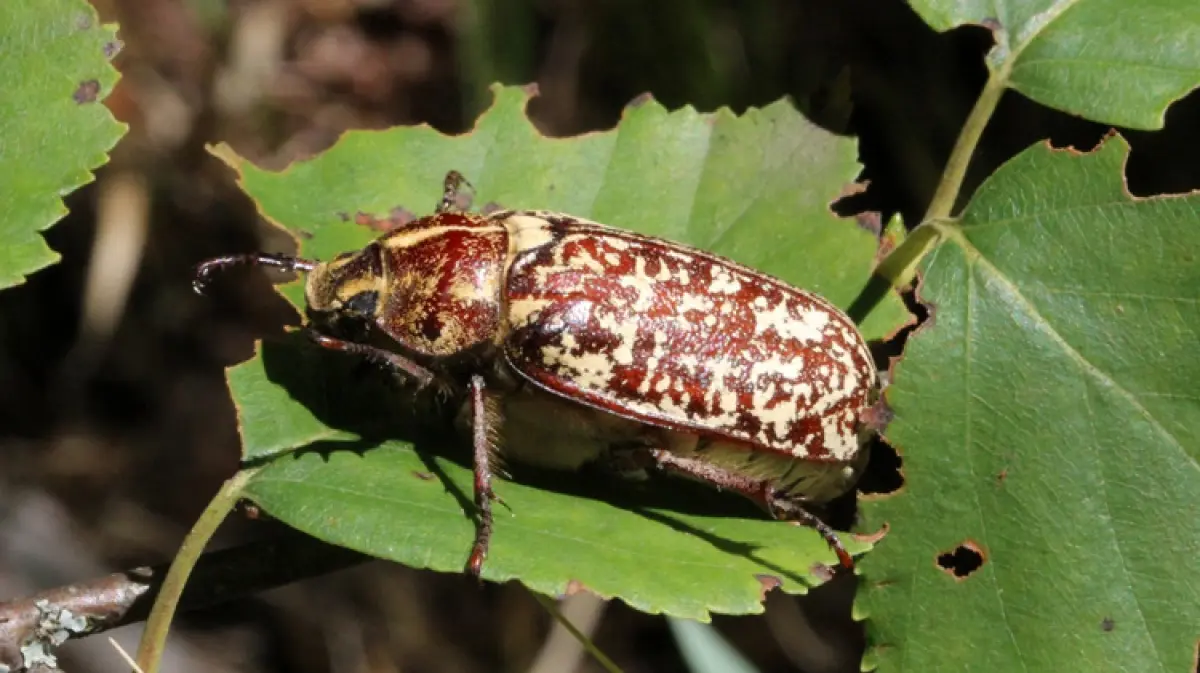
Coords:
682,339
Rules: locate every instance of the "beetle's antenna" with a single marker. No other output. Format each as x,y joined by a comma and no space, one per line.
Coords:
205,269
454,186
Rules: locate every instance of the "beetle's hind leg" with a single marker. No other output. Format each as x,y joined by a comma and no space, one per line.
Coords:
485,421
760,491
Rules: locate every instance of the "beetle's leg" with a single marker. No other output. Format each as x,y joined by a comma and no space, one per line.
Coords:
397,362
758,490
450,190
484,418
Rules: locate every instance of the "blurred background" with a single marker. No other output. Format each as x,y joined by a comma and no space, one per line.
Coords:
115,424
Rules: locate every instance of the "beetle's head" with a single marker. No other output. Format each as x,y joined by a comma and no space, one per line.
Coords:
350,286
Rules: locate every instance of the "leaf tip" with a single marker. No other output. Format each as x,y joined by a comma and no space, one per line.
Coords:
227,155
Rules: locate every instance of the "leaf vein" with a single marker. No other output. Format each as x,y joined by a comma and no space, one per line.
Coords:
1039,322
1125,570
993,570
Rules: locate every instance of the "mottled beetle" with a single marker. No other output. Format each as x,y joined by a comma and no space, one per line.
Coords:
592,343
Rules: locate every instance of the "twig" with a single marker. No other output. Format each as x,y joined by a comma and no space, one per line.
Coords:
601,658
562,651
46,619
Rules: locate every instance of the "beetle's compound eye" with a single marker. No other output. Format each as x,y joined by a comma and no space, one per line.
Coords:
363,303
351,283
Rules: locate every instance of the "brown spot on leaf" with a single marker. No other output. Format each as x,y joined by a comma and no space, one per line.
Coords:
767,583
639,100
962,560
878,416
1107,624
83,21
87,91
853,189
400,216
870,221
343,216
423,476
873,538
531,90
1000,478
305,234
491,207
574,587
112,48
822,572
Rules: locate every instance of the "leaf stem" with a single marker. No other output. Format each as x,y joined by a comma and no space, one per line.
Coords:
601,658
900,267
942,204
154,638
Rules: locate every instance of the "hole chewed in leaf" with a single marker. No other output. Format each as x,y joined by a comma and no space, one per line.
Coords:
884,474
963,560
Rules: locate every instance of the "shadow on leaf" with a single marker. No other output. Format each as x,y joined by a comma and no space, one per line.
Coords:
371,407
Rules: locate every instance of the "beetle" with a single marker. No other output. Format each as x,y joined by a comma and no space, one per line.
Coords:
644,353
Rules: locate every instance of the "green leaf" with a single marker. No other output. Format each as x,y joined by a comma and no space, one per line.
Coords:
53,128
755,187
1113,61
1049,415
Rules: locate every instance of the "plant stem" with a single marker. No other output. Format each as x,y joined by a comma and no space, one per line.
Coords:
900,267
154,638
601,658
942,204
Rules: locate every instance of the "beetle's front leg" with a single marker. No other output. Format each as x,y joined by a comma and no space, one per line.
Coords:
758,490
484,422
397,362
